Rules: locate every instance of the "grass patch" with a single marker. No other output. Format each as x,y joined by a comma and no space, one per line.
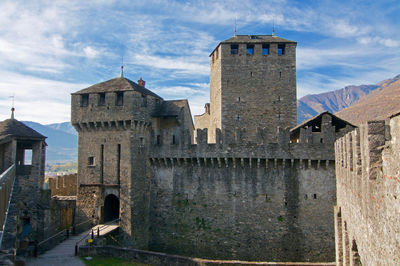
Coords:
105,261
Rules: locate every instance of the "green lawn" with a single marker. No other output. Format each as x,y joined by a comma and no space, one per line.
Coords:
103,261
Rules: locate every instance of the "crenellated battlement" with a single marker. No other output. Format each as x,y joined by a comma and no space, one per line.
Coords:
234,145
368,185
360,151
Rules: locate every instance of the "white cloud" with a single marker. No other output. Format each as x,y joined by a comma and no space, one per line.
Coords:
182,64
36,99
90,52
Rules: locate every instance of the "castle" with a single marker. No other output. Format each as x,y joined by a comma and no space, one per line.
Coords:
242,182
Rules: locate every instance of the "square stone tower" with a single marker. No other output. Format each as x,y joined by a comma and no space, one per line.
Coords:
252,85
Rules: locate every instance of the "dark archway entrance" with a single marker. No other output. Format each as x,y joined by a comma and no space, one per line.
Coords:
111,208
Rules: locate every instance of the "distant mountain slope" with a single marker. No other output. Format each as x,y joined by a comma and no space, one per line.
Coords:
333,101
378,105
62,146
65,127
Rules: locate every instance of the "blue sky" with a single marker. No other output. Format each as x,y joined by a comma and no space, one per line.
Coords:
49,49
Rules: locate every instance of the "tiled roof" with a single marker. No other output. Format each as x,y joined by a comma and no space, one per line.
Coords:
117,84
11,128
170,108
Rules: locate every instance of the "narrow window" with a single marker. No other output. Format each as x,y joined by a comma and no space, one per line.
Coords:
84,100
91,161
119,162
28,157
234,49
315,196
238,118
238,99
173,139
119,101
144,101
281,49
101,163
158,139
141,142
250,49
102,99
280,74
265,49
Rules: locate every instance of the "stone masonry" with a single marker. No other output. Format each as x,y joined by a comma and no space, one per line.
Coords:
368,190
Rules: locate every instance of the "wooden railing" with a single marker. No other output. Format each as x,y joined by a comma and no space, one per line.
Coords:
7,179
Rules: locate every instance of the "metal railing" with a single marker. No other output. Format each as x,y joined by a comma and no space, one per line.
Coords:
57,238
7,179
91,232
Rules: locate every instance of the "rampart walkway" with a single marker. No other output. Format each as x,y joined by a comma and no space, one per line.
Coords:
63,254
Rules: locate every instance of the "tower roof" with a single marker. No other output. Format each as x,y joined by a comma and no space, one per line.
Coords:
254,39
117,84
257,39
12,128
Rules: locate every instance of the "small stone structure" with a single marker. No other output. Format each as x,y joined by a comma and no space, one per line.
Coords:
23,148
368,191
250,189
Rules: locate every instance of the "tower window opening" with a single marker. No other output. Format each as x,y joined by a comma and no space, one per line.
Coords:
91,161
173,139
238,99
250,49
119,162
280,74
234,48
102,99
84,100
119,101
158,139
265,49
238,118
315,196
281,49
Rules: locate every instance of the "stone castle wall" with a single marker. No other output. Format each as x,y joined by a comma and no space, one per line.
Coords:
240,200
65,185
368,189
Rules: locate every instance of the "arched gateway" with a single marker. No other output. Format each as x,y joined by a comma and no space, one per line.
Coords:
111,208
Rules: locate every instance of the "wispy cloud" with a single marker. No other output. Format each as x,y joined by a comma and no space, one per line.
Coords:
51,48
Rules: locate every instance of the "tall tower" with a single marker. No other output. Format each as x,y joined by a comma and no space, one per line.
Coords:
252,85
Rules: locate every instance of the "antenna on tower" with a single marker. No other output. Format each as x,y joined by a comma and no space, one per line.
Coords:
273,27
122,67
12,106
235,28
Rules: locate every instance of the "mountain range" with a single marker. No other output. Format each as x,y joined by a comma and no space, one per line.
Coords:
62,141
355,104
